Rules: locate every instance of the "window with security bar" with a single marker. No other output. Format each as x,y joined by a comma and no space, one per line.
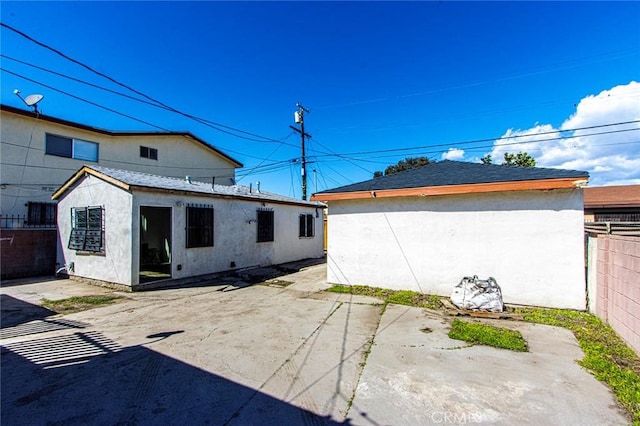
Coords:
265,225
199,226
306,225
41,214
87,232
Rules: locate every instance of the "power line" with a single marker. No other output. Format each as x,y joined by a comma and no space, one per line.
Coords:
566,64
110,109
85,100
260,163
453,144
343,156
217,126
107,160
203,121
269,168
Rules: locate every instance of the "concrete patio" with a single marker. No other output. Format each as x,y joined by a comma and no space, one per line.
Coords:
283,352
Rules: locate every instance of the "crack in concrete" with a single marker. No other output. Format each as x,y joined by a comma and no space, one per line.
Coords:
286,361
367,351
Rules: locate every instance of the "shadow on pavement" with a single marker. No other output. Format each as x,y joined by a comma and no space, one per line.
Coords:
27,280
15,311
84,378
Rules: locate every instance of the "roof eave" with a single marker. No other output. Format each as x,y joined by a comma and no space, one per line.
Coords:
86,170
475,188
187,192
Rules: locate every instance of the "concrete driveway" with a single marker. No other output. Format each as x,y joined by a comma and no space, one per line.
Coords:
284,353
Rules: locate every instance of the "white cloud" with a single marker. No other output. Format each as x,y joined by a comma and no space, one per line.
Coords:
453,154
609,155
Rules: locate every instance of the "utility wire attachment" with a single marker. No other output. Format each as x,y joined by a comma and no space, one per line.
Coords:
299,119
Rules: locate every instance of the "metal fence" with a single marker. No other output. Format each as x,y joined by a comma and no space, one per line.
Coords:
613,228
22,222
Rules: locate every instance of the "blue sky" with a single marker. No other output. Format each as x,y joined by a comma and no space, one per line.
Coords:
383,81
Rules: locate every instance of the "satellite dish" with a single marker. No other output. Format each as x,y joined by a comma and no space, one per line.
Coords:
31,100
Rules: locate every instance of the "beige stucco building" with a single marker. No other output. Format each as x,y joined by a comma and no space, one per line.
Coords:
39,152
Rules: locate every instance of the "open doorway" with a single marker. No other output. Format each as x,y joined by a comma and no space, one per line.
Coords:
155,243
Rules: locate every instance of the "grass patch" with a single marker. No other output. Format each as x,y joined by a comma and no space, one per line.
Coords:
277,283
605,354
79,303
399,297
489,335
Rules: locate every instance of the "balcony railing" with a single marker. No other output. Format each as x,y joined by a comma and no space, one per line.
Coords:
22,222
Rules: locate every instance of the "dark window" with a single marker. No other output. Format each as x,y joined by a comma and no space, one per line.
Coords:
71,148
87,233
42,214
146,152
265,225
306,225
59,145
199,226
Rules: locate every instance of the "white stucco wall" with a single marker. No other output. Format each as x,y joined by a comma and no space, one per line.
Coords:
116,264
234,237
531,242
28,174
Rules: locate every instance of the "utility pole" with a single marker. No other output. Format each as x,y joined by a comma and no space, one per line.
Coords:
299,119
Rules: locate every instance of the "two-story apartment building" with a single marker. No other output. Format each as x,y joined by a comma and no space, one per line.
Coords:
38,153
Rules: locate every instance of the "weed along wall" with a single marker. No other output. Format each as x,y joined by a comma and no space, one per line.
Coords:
618,285
531,242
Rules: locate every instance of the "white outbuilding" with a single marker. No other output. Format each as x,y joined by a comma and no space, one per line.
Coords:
139,230
426,228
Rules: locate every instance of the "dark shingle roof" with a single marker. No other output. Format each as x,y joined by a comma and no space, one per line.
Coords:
449,172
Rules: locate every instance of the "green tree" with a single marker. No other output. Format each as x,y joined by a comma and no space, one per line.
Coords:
487,159
521,159
402,165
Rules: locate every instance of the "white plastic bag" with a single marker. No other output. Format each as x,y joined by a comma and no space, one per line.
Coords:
476,294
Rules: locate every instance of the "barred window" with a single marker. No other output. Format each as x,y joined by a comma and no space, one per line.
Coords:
199,226
306,225
43,214
87,233
265,225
